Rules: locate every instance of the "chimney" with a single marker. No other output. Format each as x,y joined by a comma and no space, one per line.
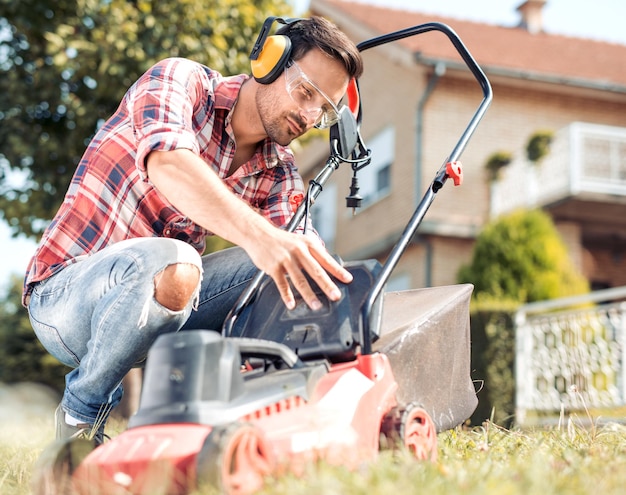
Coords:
532,19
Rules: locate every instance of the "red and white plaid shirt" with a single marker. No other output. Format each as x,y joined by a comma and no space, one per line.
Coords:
175,104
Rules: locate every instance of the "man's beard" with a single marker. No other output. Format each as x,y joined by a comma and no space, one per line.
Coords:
275,124
280,130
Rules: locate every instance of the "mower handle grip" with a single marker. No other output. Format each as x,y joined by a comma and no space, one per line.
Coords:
267,349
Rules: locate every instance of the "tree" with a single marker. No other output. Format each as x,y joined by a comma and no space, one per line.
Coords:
65,65
521,257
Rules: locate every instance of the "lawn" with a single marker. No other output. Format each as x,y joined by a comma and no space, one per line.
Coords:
566,459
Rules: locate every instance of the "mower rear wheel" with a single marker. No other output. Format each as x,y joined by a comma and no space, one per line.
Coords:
412,428
53,471
418,432
235,459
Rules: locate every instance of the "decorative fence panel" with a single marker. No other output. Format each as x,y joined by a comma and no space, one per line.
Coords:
570,356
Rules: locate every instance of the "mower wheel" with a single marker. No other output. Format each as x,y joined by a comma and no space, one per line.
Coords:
53,471
235,458
412,428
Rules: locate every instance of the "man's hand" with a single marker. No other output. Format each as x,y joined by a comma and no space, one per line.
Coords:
286,257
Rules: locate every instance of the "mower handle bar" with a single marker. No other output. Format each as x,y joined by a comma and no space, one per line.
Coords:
441,175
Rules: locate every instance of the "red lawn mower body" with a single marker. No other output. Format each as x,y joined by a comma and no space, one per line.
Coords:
339,423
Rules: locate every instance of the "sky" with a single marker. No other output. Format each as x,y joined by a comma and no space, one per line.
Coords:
594,19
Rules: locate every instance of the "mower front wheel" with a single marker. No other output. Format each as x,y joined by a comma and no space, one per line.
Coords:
235,458
53,471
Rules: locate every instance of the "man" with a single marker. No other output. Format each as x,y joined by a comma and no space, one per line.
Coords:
188,153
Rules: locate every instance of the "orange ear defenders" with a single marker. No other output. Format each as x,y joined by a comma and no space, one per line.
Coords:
270,54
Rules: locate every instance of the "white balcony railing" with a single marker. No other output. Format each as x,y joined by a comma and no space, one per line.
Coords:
584,159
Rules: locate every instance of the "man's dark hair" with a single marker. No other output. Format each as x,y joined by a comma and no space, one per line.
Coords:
318,32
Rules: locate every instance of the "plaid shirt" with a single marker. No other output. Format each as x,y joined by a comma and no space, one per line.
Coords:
175,104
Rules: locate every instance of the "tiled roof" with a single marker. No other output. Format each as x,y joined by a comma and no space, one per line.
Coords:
509,49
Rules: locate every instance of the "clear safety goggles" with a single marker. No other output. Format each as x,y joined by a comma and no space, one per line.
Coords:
313,102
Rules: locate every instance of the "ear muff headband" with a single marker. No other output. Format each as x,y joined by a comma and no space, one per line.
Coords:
270,54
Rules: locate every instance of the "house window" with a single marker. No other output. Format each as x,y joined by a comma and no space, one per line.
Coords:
375,178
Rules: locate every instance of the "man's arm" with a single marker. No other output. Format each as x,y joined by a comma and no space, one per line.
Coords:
195,190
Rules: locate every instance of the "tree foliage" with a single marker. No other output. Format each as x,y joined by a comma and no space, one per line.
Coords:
521,257
65,65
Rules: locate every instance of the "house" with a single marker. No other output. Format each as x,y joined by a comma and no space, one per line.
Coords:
418,97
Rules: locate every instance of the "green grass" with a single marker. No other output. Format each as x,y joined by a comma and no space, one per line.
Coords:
487,460
21,443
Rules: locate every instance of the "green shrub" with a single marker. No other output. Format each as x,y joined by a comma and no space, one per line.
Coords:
493,360
521,257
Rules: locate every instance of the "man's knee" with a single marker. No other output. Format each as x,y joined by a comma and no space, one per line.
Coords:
176,285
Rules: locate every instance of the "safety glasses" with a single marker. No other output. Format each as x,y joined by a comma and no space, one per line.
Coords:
317,106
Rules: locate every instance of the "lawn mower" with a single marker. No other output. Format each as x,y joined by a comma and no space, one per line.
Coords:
276,389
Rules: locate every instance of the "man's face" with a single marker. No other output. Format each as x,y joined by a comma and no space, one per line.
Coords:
306,94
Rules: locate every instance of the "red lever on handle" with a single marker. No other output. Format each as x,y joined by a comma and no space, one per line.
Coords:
455,172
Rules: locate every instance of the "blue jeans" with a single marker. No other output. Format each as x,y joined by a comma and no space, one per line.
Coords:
99,315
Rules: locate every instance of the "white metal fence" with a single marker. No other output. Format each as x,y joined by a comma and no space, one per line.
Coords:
570,355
